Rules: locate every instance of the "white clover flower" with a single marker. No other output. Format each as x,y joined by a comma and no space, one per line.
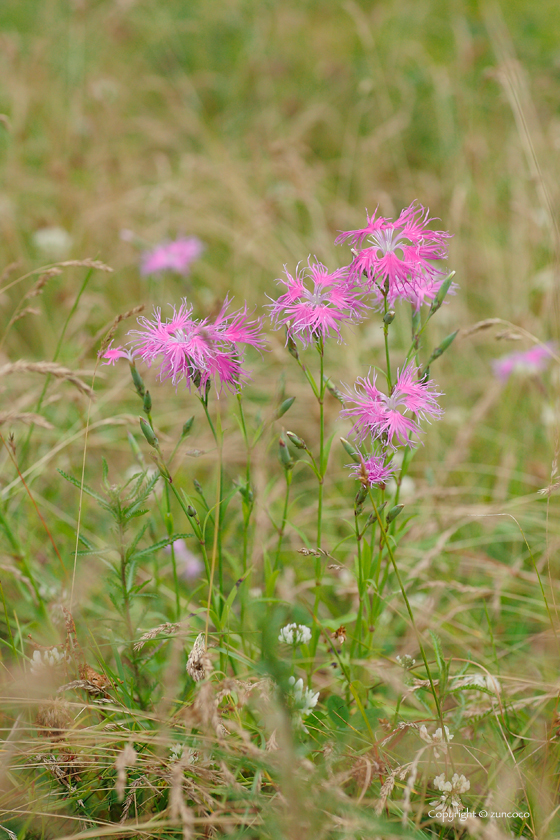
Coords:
450,801
176,751
303,700
436,740
42,660
295,634
406,661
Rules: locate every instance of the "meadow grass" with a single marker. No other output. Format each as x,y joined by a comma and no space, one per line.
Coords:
265,128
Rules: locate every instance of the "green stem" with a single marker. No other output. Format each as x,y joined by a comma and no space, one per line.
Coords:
358,634
408,607
284,517
386,340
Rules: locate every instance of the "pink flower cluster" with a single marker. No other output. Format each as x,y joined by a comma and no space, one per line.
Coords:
392,418
317,302
174,256
526,362
389,420
402,258
197,351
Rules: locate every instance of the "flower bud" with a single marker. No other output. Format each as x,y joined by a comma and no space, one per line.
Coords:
284,454
191,511
187,427
138,381
334,391
356,457
147,402
393,513
389,317
291,345
149,433
442,347
297,441
360,496
285,406
442,291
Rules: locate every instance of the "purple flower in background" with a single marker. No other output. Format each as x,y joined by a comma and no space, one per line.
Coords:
376,414
174,256
189,566
372,471
198,351
524,363
313,313
403,255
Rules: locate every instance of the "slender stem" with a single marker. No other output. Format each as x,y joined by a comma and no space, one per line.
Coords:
169,526
284,517
386,339
358,634
321,399
409,610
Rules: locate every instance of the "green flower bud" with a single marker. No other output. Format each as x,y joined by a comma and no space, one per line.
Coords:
351,451
393,513
138,381
442,291
285,406
442,347
187,427
147,402
389,317
297,441
284,454
334,391
149,434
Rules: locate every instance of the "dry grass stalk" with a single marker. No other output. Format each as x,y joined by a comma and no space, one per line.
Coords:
198,663
126,758
40,284
114,324
29,310
86,263
48,369
27,417
166,629
178,808
385,793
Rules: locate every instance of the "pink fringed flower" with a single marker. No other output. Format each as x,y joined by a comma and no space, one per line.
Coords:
524,363
372,471
114,353
404,255
394,417
314,313
174,256
198,351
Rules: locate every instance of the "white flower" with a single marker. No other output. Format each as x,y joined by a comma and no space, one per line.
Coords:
295,634
303,700
47,659
53,242
450,800
406,661
436,740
